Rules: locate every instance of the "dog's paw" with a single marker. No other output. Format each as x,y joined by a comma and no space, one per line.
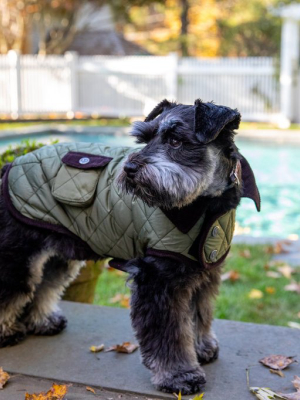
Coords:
13,337
186,382
208,349
52,325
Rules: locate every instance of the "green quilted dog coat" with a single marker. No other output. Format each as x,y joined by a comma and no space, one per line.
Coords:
70,187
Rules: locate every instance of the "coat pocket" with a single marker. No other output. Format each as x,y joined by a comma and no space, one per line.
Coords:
76,181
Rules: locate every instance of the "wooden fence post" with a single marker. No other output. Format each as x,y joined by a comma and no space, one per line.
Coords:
172,78
15,82
73,61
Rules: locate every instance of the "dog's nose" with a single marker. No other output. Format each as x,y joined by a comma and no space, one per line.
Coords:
131,169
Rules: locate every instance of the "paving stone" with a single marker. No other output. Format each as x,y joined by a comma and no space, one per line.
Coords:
66,357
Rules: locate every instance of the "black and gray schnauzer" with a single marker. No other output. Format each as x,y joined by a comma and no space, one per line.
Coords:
188,158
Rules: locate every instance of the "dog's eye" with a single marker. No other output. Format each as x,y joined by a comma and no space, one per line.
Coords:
175,143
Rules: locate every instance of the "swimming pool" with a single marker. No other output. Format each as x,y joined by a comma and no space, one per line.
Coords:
277,171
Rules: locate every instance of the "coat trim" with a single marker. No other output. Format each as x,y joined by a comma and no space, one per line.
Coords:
81,160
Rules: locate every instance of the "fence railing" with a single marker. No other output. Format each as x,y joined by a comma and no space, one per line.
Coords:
131,86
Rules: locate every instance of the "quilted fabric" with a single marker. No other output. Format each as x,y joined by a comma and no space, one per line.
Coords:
88,203
220,242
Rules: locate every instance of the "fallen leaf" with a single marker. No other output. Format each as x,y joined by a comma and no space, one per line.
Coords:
255,294
281,247
4,377
198,396
97,349
232,275
265,393
294,325
57,392
277,372
245,253
292,396
270,290
178,396
89,389
286,271
296,382
293,287
125,347
277,362
123,299
273,274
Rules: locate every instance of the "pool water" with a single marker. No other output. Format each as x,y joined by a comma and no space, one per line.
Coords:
276,168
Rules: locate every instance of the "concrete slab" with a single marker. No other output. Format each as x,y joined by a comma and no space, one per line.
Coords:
66,357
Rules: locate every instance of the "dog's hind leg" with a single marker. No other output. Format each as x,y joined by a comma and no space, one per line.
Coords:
43,315
206,343
20,276
162,318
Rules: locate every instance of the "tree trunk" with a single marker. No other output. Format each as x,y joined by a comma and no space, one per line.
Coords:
184,27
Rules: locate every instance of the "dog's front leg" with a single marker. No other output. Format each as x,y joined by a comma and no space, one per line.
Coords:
162,318
207,346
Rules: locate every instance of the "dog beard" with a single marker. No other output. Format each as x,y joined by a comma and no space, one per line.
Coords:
161,186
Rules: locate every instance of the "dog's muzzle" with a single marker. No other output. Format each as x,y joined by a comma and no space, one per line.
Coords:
131,169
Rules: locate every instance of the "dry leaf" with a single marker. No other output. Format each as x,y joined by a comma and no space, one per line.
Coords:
57,392
97,349
245,253
281,247
270,290
198,396
286,271
232,275
265,393
293,287
277,372
273,274
89,389
296,395
255,294
4,377
296,382
125,347
294,325
298,315
292,396
277,362
123,299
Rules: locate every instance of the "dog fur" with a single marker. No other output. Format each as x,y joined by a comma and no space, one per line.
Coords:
186,156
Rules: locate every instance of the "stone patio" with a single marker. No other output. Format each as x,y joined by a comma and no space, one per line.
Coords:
39,361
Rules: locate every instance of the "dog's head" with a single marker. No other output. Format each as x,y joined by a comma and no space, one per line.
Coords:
189,152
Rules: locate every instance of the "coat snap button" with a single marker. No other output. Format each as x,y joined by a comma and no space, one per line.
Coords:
213,255
84,160
215,231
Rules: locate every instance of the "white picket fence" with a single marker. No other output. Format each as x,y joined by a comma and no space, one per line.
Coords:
131,86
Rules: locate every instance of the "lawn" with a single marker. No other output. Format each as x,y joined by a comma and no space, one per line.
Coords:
269,303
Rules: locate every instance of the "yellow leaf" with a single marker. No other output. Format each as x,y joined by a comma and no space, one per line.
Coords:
255,294
270,290
89,389
97,349
4,377
198,397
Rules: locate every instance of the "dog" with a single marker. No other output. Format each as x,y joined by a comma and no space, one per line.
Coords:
163,211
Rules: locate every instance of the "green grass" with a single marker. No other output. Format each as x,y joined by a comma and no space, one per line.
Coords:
233,302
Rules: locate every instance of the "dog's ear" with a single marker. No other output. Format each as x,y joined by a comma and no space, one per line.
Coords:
161,107
211,119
